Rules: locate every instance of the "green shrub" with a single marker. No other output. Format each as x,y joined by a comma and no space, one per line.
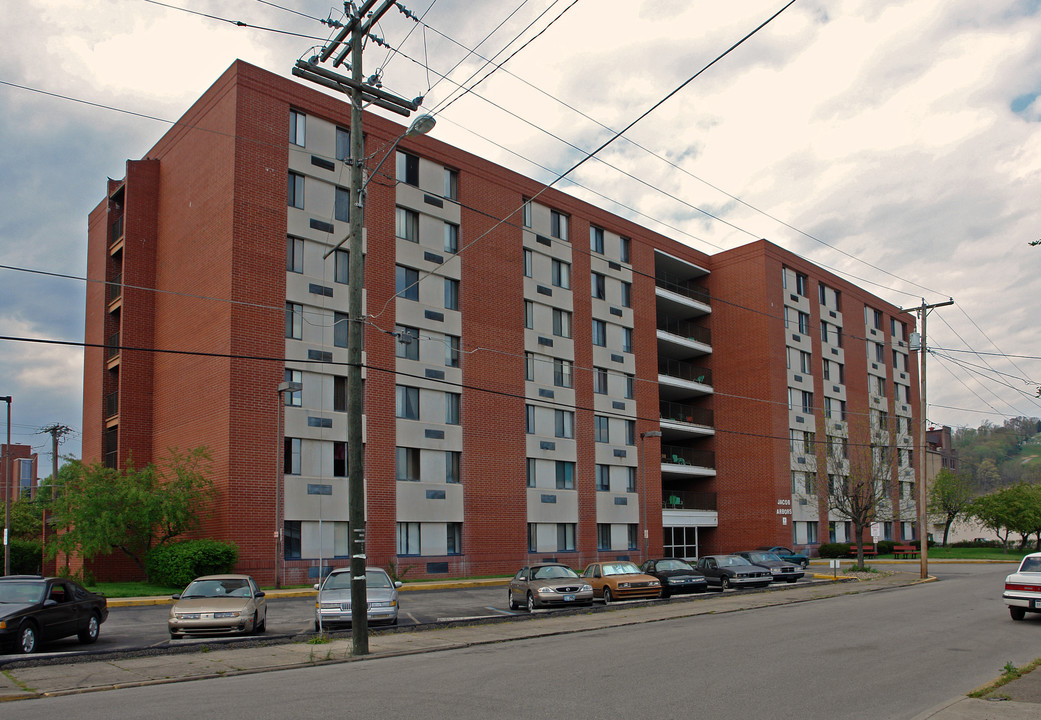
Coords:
25,557
177,564
833,550
885,547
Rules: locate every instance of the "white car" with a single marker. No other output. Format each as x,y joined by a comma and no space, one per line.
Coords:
1023,588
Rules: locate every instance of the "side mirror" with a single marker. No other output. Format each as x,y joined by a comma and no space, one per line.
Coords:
260,594
398,583
175,597
316,586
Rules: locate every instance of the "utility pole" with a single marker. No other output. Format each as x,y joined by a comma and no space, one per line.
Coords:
7,490
57,432
359,22
923,312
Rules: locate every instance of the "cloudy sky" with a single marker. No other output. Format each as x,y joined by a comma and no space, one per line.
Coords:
897,143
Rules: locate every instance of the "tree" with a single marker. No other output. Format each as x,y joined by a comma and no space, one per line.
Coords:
102,509
1016,508
859,482
949,497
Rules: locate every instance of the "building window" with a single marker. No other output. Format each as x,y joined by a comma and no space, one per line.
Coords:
453,466
406,224
630,432
452,351
625,249
529,419
343,144
455,538
406,463
599,333
530,471
529,314
596,239
603,477
880,353
526,213
451,184
342,205
294,321
632,535
294,398
564,421
339,458
630,386
561,274
407,344
452,405
291,539
804,323
408,538
451,237
561,323
603,536
406,283
341,266
406,402
599,286
451,294
529,366
807,402
565,473
566,537
558,225
601,429
339,394
294,254
630,479
297,128
340,329
291,458
805,362
528,258
599,381
296,190
627,294
533,536
562,375
407,168
800,284
627,340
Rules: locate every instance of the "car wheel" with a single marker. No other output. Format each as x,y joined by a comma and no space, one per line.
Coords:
90,633
27,638
262,627
724,583
317,627
791,580
512,602
1017,613
176,636
607,596
531,603
805,563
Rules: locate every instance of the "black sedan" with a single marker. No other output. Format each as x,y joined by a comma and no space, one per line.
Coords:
676,576
727,571
34,609
780,570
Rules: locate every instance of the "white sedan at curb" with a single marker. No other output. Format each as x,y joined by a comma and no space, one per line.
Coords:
1023,588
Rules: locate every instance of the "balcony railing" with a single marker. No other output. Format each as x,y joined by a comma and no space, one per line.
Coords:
679,455
115,232
687,329
680,286
684,413
685,371
115,288
688,500
112,346
111,405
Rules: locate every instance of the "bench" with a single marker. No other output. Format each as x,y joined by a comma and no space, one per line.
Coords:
905,551
868,551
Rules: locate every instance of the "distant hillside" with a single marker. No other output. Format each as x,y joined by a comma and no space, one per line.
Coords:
996,456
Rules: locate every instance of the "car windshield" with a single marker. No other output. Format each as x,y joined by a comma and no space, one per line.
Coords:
551,572
1031,564
763,557
673,565
224,587
732,560
21,591
342,581
620,568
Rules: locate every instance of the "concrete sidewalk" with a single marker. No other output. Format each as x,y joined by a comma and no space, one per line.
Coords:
25,679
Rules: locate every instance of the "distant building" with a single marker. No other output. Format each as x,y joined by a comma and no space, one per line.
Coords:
23,480
522,350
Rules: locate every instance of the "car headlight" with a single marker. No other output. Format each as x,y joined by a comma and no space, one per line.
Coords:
545,589
624,584
187,616
226,614
775,571
654,583
586,588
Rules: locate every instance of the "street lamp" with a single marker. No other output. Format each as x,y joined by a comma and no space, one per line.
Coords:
643,481
283,387
7,492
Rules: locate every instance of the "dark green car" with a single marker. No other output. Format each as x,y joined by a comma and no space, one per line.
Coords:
787,554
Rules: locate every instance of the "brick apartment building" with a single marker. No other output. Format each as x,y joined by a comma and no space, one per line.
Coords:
24,471
512,370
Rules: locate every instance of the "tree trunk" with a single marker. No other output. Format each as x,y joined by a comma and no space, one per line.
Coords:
947,530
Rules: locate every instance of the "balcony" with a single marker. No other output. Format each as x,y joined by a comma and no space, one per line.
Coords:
682,338
689,500
114,289
112,347
679,379
115,231
111,405
677,460
680,297
680,422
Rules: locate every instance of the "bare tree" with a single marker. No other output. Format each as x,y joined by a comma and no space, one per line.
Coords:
859,481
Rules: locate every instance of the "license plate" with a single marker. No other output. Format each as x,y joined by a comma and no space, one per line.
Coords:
1035,604
569,598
